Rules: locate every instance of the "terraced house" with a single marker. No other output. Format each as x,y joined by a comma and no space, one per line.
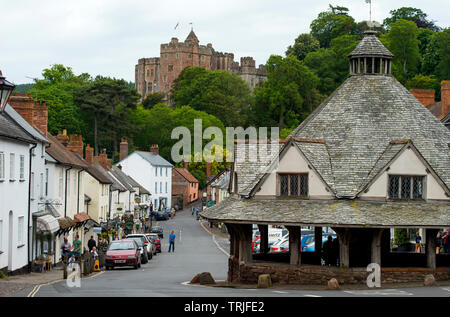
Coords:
370,158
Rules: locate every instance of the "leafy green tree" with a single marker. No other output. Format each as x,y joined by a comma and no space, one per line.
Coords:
304,44
220,93
284,100
57,88
402,41
411,14
425,82
153,99
431,57
110,102
331,65
443,42
331,24
362,26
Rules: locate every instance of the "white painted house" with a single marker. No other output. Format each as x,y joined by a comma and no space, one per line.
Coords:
153,172
15,148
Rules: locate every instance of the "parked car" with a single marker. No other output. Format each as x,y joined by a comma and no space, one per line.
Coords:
256,244
156,240
308,242
140,243
151,241
123,253
282,245
158,230
161,215
147,243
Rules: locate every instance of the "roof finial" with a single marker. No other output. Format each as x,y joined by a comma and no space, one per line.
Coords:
192,27
370,13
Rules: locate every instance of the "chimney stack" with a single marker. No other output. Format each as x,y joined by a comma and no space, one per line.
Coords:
154,149
445,97
89,154
76,144
425,96
123,149
34,112
62,137
208,170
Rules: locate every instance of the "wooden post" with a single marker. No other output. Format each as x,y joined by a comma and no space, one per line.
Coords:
294,245
245,241
376,246
318,243
430,249
264,240
344,246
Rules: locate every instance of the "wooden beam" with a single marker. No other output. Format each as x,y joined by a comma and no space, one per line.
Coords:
376,246
264,240
430,249
344,246
294,245
318,242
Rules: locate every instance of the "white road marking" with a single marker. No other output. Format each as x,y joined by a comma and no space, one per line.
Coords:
281,292
446,289
387,292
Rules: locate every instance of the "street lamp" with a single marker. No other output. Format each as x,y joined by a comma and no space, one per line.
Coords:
6,89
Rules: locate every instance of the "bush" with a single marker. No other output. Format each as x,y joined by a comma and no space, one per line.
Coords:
400,237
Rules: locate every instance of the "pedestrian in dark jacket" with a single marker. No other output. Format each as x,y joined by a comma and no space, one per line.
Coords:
328,251
91,243
446,241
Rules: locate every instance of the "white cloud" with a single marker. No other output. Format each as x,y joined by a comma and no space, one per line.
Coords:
108,36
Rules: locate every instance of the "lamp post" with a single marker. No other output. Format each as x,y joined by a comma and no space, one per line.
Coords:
6,89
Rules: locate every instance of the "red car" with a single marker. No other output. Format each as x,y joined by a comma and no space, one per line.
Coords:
156,240
123,253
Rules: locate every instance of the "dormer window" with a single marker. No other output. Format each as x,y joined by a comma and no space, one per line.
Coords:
293,185
405,187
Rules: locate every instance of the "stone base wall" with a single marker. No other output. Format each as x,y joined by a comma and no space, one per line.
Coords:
319,275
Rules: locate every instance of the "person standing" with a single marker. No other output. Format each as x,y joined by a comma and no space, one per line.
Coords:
77,246
438,242
91,243
172,238
328,251
102,248
446,241
65,248
418,243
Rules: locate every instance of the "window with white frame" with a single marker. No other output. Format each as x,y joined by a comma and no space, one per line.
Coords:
156,187
156,171
166,171
160,187
41,185
32,185
2,165
46,182
22,167
166,187
20,231
61,183
12,166
160,171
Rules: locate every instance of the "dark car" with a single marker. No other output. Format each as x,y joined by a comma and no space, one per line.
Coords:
162,215
156,240
143,248
123,253
158,230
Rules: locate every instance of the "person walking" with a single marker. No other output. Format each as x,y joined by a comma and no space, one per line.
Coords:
196,211
102,248
446,241
438,242
418,243
172,238
192,209
91,243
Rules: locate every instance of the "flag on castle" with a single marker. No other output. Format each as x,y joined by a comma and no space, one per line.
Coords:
176,25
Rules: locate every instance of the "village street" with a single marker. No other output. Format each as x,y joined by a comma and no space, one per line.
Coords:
196,251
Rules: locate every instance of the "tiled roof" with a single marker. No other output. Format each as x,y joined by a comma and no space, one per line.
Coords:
10,129
115,185
187,176
24,124
63,155
370,45
122,178
154,159
330,213
360,119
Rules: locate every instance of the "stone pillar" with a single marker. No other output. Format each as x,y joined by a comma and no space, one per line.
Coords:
264,240
430,249
376,246
344,246
294,245
318,243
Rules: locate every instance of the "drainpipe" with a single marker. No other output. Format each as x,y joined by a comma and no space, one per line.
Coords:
78,198
29,207
65,194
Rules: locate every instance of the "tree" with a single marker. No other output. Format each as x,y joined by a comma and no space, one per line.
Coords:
423,82
220,93
304,44
284,100
443,43
153,99
411,14
402,41
331,65
331,24
57,88
110,102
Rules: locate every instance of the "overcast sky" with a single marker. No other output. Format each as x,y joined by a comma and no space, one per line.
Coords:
107,37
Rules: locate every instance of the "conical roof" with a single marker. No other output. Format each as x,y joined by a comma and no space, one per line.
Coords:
370,46
192,37
360,120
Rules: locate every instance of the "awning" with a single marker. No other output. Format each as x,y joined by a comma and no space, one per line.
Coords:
46,223
81,219
65,224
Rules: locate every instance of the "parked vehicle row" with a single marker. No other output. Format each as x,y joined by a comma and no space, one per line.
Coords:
134,250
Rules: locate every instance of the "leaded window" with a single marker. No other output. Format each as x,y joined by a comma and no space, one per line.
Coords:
294,185
405,187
